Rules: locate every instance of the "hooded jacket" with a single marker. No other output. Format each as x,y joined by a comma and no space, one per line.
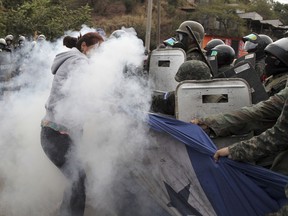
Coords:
64,63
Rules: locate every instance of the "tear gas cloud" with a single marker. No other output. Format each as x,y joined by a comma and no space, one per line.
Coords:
108,99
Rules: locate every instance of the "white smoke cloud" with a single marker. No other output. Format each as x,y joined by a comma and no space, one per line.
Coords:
108,98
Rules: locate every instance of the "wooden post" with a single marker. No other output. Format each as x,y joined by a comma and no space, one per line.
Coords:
158,22
148,26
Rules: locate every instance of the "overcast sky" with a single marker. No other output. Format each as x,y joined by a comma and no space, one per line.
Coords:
283,1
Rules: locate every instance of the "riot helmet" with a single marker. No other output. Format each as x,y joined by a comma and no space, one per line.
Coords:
9,39
118,33
193,70
279,49
101,32
212,43
255,43
3,43
41,37
196,28
277,57
225,54
21,40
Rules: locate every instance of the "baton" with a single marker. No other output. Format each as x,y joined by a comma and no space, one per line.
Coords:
199,48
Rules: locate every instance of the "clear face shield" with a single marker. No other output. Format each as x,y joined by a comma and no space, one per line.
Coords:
250,47
170,41
251,42
179,41
180,36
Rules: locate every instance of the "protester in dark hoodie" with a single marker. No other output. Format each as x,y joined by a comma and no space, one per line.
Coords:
57,139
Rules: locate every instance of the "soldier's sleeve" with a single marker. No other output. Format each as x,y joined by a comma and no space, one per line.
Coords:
195,55
260,116
269,142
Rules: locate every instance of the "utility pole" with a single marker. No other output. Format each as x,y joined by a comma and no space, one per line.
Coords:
148,25
158,22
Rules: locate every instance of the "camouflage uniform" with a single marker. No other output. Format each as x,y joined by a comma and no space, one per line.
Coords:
260,67
274,140
259,116
192,70
271,141
275,83
164,102
194,54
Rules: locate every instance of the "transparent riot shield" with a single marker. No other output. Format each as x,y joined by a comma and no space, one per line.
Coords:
245,71
196,99
163,65
250,58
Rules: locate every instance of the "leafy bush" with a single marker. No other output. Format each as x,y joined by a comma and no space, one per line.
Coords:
49,19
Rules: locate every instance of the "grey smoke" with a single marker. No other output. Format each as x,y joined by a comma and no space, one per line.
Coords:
110,104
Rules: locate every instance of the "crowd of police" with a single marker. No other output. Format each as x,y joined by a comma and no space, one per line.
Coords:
267,118
270,64
13,52
268,59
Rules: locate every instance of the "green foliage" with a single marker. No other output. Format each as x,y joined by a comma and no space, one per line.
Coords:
54,17
8,4
262,7
281,11
49,19
3,19
223,14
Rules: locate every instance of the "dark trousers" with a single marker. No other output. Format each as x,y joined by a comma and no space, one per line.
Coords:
57,147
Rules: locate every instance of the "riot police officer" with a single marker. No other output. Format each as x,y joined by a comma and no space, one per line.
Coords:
189,70
276,68
255,43
211,44
3,45
225,56
189,44
9,40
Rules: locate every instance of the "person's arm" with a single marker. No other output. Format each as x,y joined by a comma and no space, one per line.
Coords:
269,142
260,116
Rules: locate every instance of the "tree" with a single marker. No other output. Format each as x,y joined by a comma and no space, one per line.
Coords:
49,19
281,11
8,4
220,18
262,7
2,21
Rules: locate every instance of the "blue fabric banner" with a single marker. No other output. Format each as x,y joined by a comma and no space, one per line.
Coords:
232,188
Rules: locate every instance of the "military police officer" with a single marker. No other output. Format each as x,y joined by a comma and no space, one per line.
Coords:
276,68
190,70
225,55
188,43
256,43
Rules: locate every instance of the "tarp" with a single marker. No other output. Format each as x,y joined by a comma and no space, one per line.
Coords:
231,187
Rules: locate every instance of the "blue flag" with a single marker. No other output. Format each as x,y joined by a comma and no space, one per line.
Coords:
189,182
